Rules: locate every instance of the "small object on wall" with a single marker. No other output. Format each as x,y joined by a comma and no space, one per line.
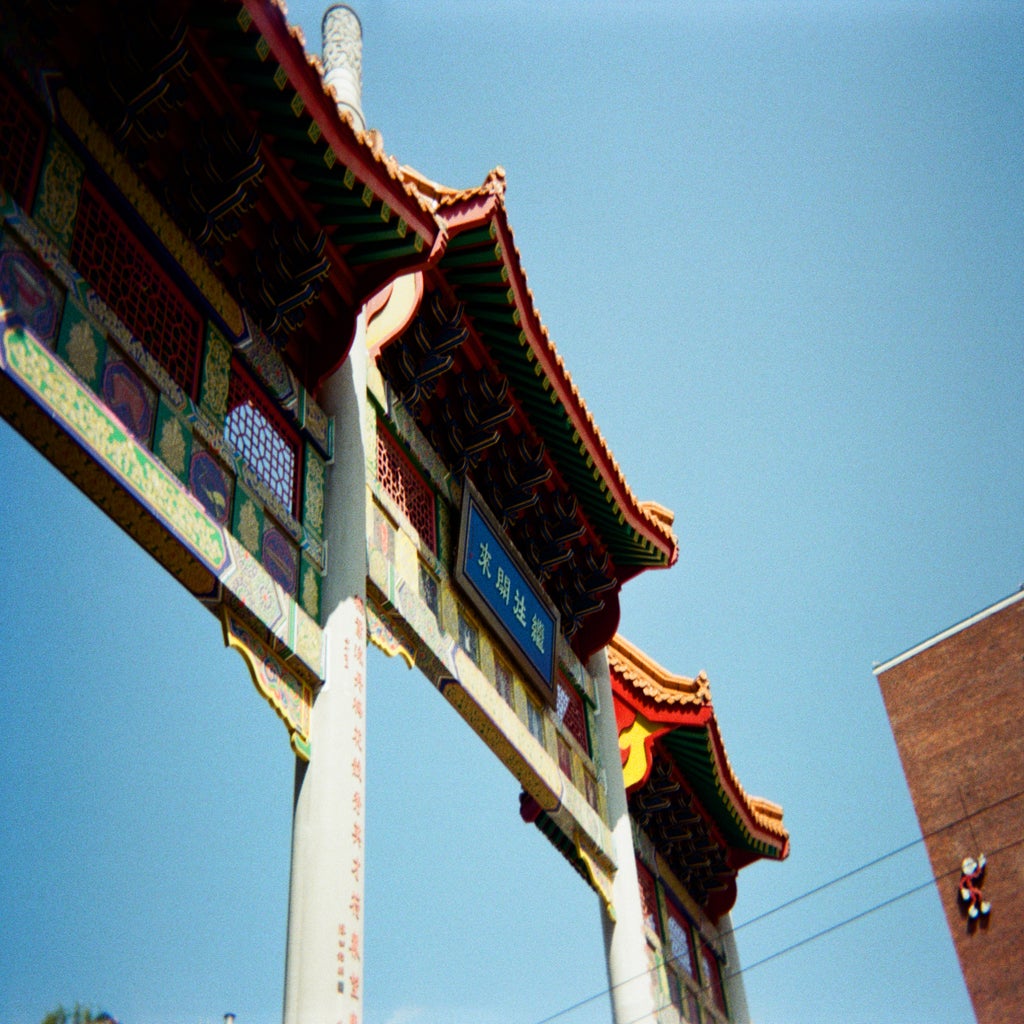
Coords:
972,875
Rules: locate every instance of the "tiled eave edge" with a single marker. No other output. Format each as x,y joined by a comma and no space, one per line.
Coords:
664,697
679,722
752,822
655,544
332,143
591,439
353,147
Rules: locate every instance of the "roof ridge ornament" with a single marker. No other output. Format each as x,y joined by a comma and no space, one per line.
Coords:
495,181
655,681
435,193
343,60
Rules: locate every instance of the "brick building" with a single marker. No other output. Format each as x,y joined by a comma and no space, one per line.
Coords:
956,707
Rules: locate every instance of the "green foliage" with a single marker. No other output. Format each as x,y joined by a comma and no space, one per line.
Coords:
79,1015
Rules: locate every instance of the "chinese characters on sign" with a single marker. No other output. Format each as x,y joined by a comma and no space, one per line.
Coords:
491,573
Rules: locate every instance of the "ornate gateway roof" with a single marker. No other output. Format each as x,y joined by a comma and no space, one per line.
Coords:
485,383
682,790
278,203
231,128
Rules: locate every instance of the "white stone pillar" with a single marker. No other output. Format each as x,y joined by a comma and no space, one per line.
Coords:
629,978
732,975
324,959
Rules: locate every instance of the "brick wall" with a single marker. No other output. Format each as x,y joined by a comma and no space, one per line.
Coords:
957,712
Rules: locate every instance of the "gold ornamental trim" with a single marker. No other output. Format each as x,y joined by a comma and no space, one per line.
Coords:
291,698
101,434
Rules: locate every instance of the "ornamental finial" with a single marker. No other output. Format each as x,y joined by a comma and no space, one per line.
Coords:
495,181
343,60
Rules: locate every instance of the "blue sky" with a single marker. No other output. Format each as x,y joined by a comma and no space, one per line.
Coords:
780,248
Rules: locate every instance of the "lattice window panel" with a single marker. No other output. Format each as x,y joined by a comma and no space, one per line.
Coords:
263,437
572,712
406,487
680,940
23,132
116,263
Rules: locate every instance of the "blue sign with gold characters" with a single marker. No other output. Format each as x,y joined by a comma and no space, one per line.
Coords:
492,573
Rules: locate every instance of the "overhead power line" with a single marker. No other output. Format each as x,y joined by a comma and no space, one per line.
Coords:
864,913
878,860
822,933
813,892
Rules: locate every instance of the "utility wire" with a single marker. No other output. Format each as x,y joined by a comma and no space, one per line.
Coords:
817,935
814,892
864,913
879,860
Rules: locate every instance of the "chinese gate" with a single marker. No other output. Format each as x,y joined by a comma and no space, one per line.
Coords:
315,388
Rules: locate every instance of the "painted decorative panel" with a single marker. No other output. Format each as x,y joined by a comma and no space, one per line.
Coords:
504,682
316,423
280,558
572,713
564,758
82,346
469,638
128,397
27,292
173,442
315,480
535,720
247,524
309,588
428,590
213,395
210,482
59,186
